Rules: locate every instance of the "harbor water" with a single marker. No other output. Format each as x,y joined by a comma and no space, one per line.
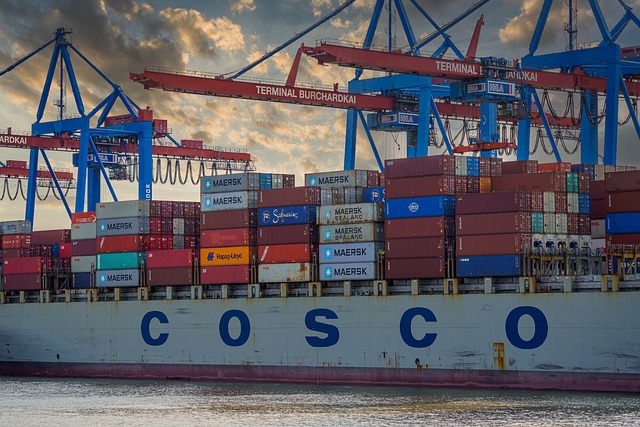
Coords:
82,402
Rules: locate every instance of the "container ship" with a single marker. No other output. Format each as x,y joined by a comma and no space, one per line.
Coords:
445,271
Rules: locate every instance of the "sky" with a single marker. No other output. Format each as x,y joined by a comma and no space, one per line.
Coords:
221,36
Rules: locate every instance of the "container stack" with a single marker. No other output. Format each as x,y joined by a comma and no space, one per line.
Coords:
287,234
598,214
83,249
46,245
20,270
622,206
170,267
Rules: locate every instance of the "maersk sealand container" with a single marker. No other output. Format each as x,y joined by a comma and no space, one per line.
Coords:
415,207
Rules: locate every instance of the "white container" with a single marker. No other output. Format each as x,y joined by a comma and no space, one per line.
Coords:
348,178
344,233
290,272
83,264
461,166
549,201
549,223
351,213
83,231
573,202
125,209
229,201
561,223
598,228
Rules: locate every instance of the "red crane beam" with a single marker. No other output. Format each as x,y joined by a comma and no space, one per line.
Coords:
348,56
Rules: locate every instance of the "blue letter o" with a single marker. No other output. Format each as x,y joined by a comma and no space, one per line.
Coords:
245,328
540,324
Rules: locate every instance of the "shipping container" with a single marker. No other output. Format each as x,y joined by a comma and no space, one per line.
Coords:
561,203
623,239
623,223
616,182
118,278
226,274
537,222
420,166
500,244
598,208
122,226
348,271
124,209
229,219
420,186
170,276
422,247
286,215
293,196
178,226
287,234
519,166
84,231
23,282
83,264
415,268
549,201
228,237
573,203
120,261
350,252
280,254
83,217
26,265
505,201
170,258
16,241
473,166
237,182
490,266
82,280
420,207
66,250
235,255
345,233
597,190
419,227
584,206
229,201
554,167
543,181
620,202
549,223
16,227
291,272
561,223
351,213
494,223
374,194
50,237
461,165
83,247
343,178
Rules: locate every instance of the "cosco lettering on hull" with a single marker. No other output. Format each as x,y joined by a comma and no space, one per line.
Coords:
324,328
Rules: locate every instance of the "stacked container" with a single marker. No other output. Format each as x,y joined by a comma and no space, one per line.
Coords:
170,267
83,249
20,270
622,205
46,244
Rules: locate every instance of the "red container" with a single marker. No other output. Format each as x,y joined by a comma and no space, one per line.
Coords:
537,201
170,259
598,208
19,164
420,166
145,115
422,247
292,196
561,202
415,268
225,274
116,244
159,125
506,201
276,254
596,190
622,181
473,184
496,167
519,166
83,247
623,239
421,186
373,178
50,237
16,241
191,242
461,184
288,180
554,167
495,223
25,265
628,201
170,276
573,223
419,227
485,167
229,237
65,250
16,253
240,218
288,234
83,217
488,244
585,224
584,182
191,143
23,282
543,181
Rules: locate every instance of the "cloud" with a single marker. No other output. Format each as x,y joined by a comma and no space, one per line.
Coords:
239,6
517,32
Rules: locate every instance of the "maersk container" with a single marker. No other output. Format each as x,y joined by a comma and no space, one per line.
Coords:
118,278
345,233
374,194
326,196
120,261
354,177
170,276
228,237
420,186
494,223
291,196
490,266
348,271
623,223
126,209
16,227
292,272
122,226
420,166
419,227
351,213
286,215
229,201
229,219
83,247
421,247
23,282
279,254
506,201
416,207
83,264
230,183
415,268
350,252
170,259
288,234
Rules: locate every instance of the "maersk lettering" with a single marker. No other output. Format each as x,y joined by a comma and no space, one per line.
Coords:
341,179
232,200
350,271
120,226
350,252
120,277
227,182
348,211
349,230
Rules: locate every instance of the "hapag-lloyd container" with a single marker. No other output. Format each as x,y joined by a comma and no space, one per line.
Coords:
279,254
225,274
348,178
126,243
420,186
122,226
124,209
419,227
228,237
118,278
412,268
350,252
490,266
229,201
230,183
171,276
292,196
120,261
229,219
348,271
286,215
170,259
415,207
83,231
623,223
505,201
288,234
421,247
420,166
494,223
345,233
235,255
25,265
351,213
290,272
499,244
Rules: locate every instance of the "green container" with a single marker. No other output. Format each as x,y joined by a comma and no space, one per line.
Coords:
121,261
537,222
572,182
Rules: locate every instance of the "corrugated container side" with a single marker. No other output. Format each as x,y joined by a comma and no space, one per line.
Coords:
276,273
420,207
543,181
561,203
537,222
549,223
507,201
286,215
500,244
280,254
228,237
623,223
288,234
490,266
174,276
83,231
623,239
495,223
126,243
16,241
351,213
554,167
348,271
240,218
83,264
122,226
598,229
27,265
348,178
293,196
415,268
549,201
230,183
420,166
229,201
421,186
519,166
598,208
50,237
120,261
16,227
461,165
350,252
561,223
225,274
82,280
23,282
419,227
473,166
422,247
124,209
83,247
118,278
621,202
374,194
344,233
622,181
83,217
235,255
170,259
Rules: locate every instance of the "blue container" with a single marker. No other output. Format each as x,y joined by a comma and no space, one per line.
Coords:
584,203
586,168
373,195
55,250
81,280
473,166
623,223
416,207
286,215
625,263
490,266
266,181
